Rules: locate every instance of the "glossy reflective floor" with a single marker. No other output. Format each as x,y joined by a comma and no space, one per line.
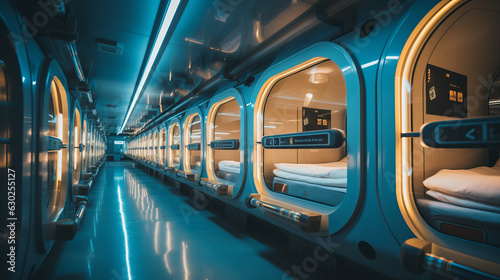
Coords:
136,227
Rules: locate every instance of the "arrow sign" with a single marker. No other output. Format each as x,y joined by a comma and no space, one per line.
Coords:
470,134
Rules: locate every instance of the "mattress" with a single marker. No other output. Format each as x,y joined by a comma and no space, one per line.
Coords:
436,213
463,202
197,166
332,170
480,184
230,166
332,196
339,182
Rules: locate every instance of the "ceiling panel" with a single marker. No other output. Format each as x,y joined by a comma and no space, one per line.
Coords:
113,76
207,38
210,38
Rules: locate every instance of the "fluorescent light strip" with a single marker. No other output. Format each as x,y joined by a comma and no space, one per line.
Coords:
160,37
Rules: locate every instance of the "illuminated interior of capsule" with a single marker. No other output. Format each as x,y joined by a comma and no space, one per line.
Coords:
161,147
192,136
149,146
174,140
154,147
77,154
58,128
84,142
309,100
226,126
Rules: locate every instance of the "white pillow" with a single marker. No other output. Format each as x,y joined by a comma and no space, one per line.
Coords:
479,184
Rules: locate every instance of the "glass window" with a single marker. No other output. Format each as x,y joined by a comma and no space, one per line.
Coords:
161,144
194,155
84,142
155,147
227,127
143,146
56,192
174,147
311,100
76,150
149,145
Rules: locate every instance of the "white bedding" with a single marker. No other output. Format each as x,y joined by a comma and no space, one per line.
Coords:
329,182
463,201
480,184
196,167
229,166
332,170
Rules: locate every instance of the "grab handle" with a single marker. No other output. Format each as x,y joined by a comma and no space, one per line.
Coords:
309,222
416,257
66,229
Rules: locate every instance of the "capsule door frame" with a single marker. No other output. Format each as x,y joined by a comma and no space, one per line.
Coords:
188,118
90,127
148,145
163,159
418,33
74,149
333,219
53,72
154,145
170,138
85,127
17,70
215,103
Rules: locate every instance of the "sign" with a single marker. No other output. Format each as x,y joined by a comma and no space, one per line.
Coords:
446,92
315,119
331,138
232,144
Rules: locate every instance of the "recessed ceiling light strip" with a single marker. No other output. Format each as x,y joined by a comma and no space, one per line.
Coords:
160,37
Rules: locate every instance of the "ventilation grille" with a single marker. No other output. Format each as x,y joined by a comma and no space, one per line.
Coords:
105,46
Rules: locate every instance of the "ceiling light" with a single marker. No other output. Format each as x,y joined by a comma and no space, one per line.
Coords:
308,99
160,37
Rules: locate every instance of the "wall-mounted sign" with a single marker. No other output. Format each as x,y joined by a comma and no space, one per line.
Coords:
232,144
331,138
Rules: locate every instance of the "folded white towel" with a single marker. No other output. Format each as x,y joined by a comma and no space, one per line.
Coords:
463,201
230,166
479,184
329,182
333,170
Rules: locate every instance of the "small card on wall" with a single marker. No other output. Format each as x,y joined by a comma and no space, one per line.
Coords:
446,92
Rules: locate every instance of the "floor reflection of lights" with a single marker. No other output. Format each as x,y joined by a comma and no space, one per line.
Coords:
149,212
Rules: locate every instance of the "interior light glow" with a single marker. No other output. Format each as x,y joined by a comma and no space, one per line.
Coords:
75,153
318,78
308,99
59,153
160,37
